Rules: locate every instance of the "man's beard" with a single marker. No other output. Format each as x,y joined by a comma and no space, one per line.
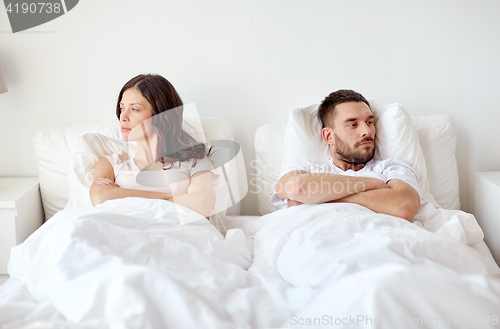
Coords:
350,155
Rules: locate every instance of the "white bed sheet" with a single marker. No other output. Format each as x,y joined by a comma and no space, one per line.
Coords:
131,265
128,263
333,262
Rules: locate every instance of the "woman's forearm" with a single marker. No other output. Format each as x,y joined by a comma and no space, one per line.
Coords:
99,194
201,202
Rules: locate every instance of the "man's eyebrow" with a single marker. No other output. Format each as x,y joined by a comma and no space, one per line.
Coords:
355,119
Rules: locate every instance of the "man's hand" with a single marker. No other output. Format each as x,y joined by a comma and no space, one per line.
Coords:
397,198
400,200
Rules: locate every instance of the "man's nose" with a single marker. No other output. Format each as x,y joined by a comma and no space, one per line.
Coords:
366,130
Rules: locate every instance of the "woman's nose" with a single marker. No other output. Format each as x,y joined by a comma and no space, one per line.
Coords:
124,116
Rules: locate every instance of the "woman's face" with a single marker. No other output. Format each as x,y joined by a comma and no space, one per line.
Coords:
134,110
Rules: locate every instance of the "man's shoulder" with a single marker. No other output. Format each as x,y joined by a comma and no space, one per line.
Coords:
305,163
309,166
386,163
393,167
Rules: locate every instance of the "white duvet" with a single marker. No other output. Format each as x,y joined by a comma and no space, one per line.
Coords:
342,265
128,263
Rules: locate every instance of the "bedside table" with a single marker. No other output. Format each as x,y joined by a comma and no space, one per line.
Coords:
21,213
487,208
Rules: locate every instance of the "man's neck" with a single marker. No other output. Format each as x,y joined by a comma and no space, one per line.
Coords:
346,166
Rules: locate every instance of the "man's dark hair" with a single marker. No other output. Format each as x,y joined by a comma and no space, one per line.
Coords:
326,111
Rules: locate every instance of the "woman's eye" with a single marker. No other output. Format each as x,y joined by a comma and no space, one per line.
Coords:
135,110
121,109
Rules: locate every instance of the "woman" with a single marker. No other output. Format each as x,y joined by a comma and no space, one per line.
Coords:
168,164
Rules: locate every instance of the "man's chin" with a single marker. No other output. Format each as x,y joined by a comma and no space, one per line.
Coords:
366,158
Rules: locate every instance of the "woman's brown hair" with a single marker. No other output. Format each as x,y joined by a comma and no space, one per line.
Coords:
174,144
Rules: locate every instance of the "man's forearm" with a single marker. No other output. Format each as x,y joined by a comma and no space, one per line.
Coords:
403,204
320,188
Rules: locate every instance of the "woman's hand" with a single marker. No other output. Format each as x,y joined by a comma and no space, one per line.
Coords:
214,176
293,203
103,181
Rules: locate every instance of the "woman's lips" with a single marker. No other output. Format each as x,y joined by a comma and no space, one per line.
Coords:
125,129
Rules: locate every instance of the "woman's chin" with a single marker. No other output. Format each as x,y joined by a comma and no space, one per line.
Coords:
132,135
126,136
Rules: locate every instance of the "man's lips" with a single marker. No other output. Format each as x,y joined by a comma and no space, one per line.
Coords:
366,144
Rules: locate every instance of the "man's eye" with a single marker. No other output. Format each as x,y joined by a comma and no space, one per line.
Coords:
369,122
352,125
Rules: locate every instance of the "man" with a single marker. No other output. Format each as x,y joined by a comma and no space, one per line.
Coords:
351,175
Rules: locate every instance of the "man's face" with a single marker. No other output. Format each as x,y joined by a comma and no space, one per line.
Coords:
353,132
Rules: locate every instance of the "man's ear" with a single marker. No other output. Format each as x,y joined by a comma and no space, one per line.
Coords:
327,134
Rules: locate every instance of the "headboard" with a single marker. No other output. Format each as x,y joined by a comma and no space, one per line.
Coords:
437,138
53,147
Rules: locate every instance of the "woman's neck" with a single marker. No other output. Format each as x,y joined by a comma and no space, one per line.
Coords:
146,150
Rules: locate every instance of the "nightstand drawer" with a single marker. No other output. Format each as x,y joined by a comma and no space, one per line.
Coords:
487,209
21,213
7,239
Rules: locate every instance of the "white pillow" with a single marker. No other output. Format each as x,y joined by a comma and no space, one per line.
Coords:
437,137
90,147
54,148
303,140
87,150
396,138
268,159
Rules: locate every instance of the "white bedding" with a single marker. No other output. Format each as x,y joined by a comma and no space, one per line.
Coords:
128,263
332,262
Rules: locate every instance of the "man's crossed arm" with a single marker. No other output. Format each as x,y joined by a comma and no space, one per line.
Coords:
395,198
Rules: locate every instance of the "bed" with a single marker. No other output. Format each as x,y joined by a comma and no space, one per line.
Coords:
131,263
343,266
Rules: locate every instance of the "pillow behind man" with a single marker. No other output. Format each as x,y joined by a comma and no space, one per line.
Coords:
394,136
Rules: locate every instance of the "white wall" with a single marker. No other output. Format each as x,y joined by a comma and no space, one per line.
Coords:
254,60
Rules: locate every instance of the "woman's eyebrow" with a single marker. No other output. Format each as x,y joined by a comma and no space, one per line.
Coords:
132,104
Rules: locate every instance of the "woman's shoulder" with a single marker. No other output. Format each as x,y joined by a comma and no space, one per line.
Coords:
195,165
121,157
197,162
